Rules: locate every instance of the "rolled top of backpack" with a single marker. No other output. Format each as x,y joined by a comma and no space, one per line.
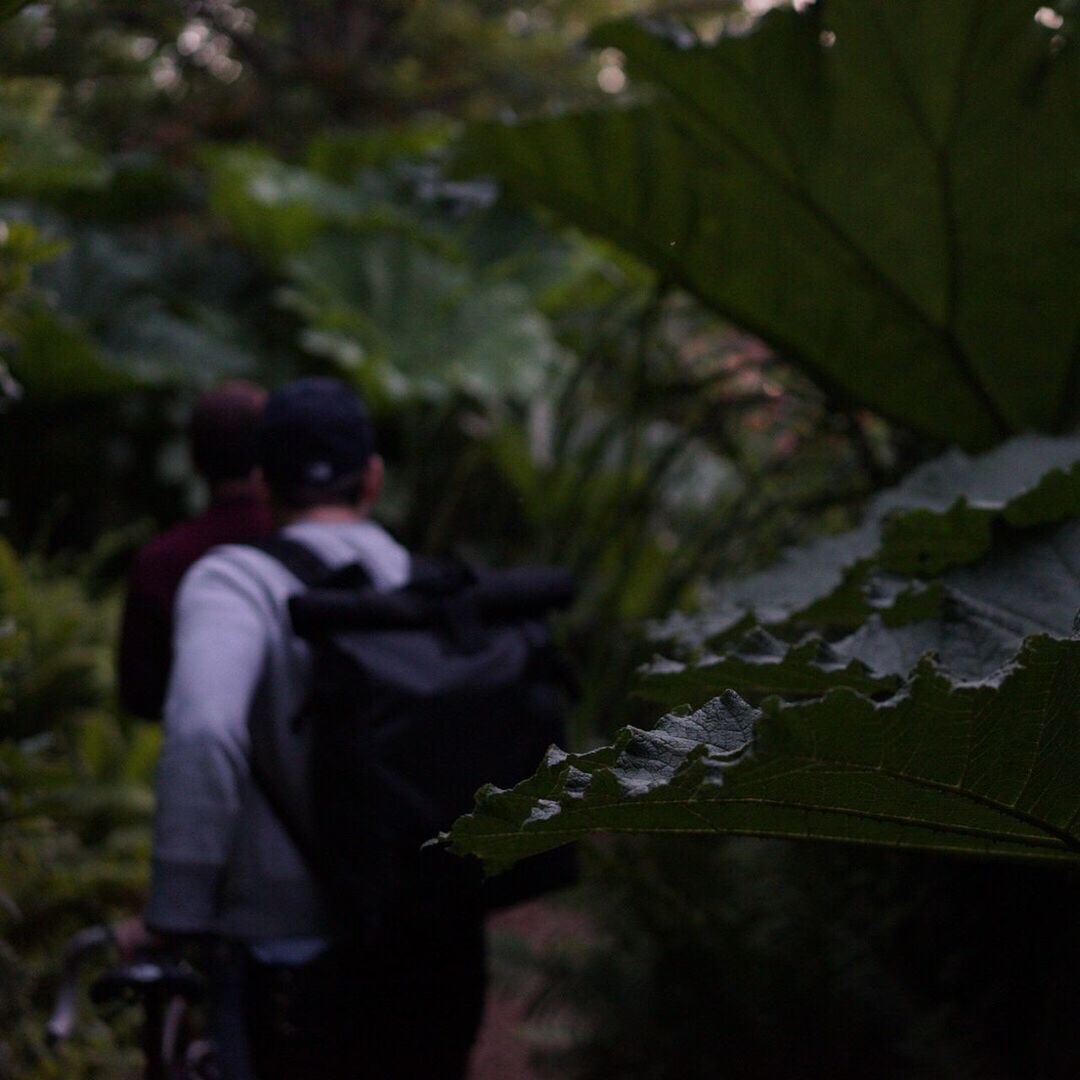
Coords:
495,596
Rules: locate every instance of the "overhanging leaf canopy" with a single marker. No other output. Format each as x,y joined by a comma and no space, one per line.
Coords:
887,192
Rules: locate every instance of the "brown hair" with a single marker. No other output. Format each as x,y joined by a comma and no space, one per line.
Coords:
223,429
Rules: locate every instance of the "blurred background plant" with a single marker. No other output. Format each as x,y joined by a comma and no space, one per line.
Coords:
204,188
759,959
74,804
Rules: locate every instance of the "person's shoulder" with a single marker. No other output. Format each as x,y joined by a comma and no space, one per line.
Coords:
245,560
365,541
240,570
162,562
183,544
159,565
179,541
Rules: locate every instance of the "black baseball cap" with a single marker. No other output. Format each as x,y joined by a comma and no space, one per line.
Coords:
315,436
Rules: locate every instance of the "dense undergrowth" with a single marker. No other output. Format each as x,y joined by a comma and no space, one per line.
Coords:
75,806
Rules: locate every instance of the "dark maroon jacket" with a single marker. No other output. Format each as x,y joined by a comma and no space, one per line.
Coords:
146,632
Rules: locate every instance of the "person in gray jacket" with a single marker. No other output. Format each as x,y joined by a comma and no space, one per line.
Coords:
287,997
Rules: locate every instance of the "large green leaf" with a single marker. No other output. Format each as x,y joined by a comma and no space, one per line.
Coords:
275,207
761,666
1002,555
944,515
57,361
38,156
414,323
885,191
991,768
156,309
927,542
21,248
279,209
973,620
1027,585
868,739
159,346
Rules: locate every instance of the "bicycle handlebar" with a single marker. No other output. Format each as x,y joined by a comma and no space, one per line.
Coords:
84,944
164,988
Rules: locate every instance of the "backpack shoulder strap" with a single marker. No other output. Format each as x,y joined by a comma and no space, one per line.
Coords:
311,570
297,558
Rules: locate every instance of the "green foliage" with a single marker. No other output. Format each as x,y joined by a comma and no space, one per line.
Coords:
57,361
990,769
37,153
274,207
651,463
21,247
341,155
52,649
754,960
840,749
362,258
75,804
483,339
172,76
945,514
161,312
136,323
760,666
924,543
845,182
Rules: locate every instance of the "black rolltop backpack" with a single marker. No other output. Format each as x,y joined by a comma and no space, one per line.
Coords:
418,697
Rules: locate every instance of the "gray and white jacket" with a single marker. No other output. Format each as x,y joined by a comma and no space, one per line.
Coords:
223,863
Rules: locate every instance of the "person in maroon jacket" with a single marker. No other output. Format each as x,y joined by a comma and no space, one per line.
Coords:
222,444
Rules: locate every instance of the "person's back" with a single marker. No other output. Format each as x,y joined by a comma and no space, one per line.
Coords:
224,862
239,681
222,445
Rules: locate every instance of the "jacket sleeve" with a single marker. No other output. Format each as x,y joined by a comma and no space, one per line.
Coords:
221,632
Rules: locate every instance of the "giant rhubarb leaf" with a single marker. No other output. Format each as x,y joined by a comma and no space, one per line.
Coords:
943,519
762,666
988,768
887,191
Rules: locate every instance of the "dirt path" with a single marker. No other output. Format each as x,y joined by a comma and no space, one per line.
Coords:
500,1052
